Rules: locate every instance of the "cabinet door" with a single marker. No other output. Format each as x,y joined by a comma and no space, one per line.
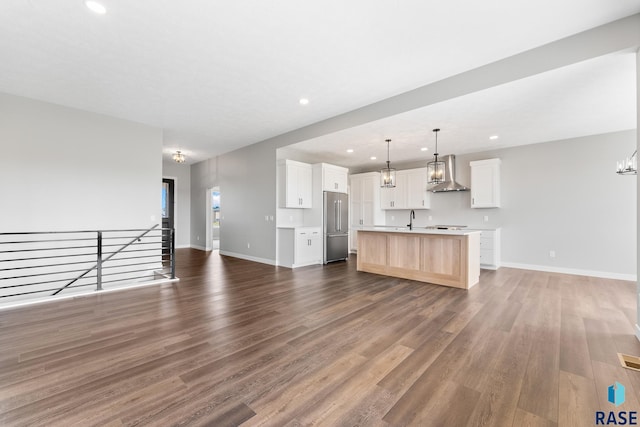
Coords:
400,195
334,180
387,198
315,247
304,252
485,184
417,195
291,186
305,189
356,202
295,185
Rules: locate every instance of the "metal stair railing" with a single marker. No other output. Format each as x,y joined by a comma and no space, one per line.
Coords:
32,262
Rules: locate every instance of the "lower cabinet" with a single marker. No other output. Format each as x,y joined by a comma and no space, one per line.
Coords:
490,249
299,246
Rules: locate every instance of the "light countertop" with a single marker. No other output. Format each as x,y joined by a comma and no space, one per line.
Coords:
419,230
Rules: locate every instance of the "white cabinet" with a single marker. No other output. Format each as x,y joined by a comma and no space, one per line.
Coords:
417,195
365,204
490,249
485,183
410,191
299,246
294,180
393,198
334,178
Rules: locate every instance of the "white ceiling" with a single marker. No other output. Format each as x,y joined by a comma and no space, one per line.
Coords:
220,75
588,98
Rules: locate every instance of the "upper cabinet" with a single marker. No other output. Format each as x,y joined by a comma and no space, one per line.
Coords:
410,191
417,195
485,183
334,178
294,180
365,204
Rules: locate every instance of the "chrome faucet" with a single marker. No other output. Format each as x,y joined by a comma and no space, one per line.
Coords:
412,216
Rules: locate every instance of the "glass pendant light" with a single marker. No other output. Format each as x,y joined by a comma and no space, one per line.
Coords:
388,174
435,169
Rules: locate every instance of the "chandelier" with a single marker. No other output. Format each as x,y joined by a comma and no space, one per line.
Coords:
388,174
435,169
628,166
179,157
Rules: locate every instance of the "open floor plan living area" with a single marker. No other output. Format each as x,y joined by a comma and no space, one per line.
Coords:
360,213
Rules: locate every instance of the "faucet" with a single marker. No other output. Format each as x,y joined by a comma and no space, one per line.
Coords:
412,216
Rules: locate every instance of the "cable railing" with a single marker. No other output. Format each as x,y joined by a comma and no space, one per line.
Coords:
46,264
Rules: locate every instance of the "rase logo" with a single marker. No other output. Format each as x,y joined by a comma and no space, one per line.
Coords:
615,396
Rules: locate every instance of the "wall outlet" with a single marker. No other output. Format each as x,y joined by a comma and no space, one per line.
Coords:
248,245
271,217
552,254
430,218
266,217
290,218
486,218
197,237
393,217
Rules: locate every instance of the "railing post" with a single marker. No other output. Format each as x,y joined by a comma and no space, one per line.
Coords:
99,263
172,252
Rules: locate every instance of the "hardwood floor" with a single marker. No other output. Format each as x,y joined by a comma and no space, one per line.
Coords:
240,343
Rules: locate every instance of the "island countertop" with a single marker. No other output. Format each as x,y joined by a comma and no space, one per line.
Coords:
420,230
442,257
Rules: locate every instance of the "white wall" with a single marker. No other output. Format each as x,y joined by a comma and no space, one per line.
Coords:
181,173
563,196
247,196
67,169
204,175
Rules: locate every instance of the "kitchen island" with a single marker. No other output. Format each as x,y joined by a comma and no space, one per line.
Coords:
442,257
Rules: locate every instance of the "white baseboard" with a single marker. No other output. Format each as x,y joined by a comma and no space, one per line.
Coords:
200,248
183,246
575,271
249,257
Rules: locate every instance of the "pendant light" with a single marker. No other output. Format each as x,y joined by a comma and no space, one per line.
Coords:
628,166
388,174
435,169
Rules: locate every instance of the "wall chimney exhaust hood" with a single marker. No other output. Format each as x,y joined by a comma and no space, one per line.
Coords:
449,183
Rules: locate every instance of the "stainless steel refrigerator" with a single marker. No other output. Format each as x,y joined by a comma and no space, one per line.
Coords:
336,226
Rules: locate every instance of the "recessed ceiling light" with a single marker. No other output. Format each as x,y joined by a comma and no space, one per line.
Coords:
493,137
424,149
304,101
350,150
373,157
95,7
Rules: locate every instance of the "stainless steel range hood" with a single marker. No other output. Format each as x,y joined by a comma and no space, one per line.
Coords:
449,183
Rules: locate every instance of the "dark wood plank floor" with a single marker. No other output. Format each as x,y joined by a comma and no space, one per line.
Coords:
240,343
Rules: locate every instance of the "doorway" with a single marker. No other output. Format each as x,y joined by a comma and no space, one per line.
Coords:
168,217
213,218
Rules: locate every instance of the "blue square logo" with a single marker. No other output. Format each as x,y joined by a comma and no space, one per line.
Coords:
616,394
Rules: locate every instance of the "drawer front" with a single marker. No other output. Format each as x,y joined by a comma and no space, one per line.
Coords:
486,243
487,257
